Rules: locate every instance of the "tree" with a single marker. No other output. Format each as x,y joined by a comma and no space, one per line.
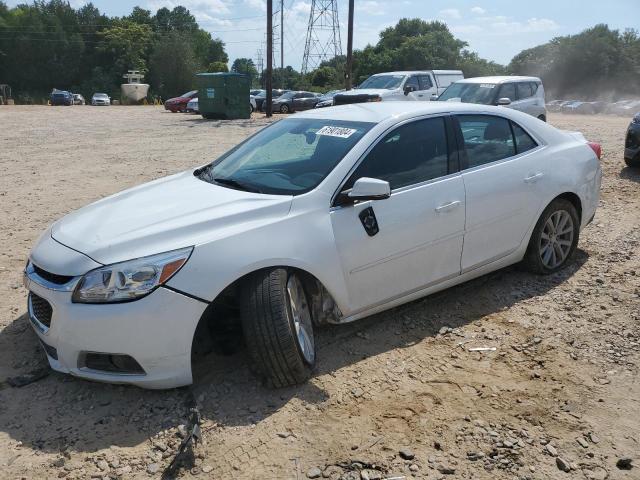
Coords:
246,67
172,65
217,67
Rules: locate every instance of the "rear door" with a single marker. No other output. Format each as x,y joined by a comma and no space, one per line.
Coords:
503,177
420,227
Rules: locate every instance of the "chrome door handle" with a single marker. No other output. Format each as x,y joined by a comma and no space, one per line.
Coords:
534,178
447,207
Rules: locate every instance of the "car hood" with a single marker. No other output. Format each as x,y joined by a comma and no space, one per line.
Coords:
177,99
166,214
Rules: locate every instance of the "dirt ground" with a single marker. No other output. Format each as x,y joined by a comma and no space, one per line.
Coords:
398,395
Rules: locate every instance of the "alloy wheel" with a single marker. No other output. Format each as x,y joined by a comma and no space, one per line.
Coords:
301,318
556,239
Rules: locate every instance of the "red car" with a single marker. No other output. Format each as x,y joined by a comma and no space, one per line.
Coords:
179,104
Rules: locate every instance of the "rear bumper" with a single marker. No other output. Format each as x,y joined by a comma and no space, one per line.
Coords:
156,331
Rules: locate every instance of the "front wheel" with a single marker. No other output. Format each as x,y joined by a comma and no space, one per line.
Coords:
554,238
284,108
277,326
633,163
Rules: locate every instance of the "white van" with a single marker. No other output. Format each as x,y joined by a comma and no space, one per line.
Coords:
414,85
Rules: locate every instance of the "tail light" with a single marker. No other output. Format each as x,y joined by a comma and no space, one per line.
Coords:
597,148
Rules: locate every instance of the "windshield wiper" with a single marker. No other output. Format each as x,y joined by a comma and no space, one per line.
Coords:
230,182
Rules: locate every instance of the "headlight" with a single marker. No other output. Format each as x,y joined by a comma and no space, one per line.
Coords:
129,280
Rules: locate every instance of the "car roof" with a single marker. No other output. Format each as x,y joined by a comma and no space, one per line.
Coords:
499,79
378,112
412,72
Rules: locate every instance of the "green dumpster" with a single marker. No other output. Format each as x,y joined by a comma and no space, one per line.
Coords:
223,95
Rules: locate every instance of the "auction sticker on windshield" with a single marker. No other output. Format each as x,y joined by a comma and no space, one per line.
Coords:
341,132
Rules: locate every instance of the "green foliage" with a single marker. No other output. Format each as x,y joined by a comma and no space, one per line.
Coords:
217,67
49,44
597,63
246,67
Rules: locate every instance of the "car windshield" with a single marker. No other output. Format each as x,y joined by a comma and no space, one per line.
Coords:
481,93
101,95
388,82
290,157
189,94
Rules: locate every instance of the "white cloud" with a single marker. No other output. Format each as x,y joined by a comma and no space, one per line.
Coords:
453,13
205,11
478,10
370,7
260,5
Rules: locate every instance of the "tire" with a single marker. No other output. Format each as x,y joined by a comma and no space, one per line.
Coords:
251,109
269,324
543,118
284,108
548,256
633,163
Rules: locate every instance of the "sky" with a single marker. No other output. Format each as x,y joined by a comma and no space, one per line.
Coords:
496,29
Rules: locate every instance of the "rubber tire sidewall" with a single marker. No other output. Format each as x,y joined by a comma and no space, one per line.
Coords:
532,260
284,108
267,323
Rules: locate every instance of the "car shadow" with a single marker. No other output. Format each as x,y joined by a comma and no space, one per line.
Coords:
630,173
60,411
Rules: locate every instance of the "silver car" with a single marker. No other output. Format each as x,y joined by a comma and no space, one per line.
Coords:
520,93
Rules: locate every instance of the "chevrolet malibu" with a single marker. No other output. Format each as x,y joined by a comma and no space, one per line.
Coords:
324,217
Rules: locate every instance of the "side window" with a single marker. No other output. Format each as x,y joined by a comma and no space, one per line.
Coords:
425,82
508,90
524,142
524,90
534,88
412,82
486,138
299,95
410,154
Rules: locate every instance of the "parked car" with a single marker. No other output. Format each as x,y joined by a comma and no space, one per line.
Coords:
256,91
326,100
179,104
252,103
324,217
295,101
262,96
192,106
632,144
61,97
100,99
419,85
78,99
519,93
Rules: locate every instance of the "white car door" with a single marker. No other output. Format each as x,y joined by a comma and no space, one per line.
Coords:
412,239
503,180
425,88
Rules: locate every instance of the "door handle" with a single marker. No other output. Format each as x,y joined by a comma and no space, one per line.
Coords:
447,207
534,178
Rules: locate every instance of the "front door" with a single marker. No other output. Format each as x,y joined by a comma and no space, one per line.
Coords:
420,228
503,178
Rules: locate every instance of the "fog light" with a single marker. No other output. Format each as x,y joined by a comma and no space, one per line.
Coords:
111,363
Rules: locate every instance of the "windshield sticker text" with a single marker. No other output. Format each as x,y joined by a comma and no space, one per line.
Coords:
340,132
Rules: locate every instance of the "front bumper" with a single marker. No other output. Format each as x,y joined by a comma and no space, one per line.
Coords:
156,331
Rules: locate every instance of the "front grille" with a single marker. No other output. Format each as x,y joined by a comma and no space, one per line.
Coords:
52,277
41,309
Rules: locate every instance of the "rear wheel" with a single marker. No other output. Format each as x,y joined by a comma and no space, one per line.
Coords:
554,238
634,163
543,118
284,108
277,325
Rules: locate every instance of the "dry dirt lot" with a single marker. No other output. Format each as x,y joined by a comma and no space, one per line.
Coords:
398,395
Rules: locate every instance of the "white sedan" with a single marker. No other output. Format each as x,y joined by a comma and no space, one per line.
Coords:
327,216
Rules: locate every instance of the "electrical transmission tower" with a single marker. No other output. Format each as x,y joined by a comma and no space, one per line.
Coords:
323,34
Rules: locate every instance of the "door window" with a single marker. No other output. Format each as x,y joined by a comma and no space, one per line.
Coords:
508,90
524,90
412,82
486,139
410,154
425,82
524,142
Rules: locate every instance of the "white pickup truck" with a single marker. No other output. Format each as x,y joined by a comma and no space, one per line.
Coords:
413,85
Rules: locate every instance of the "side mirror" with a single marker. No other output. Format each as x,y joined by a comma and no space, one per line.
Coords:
365,189
434,97
408,89
504,101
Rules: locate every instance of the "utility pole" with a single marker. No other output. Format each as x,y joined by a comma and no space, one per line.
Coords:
269,82
282,44
348,82
323,35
